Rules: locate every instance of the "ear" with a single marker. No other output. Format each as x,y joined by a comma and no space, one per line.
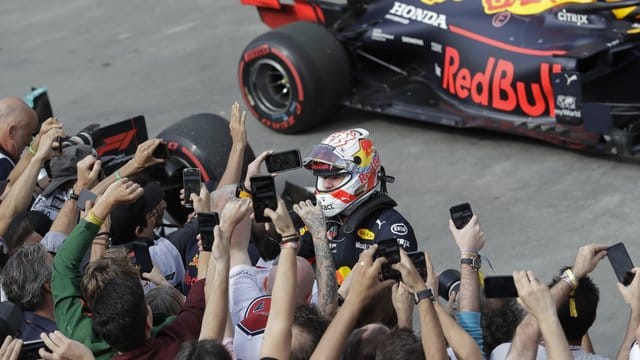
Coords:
47,286
12,131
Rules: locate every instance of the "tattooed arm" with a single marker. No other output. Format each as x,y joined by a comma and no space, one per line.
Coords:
325,269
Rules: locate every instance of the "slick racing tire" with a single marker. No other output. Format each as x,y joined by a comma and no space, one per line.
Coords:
200,141
292,77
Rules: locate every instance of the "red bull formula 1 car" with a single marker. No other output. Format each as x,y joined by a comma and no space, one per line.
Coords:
564,71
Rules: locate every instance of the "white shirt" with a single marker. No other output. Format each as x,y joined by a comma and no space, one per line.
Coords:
501,351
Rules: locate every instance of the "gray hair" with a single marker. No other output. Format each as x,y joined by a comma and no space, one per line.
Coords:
25,274
165,300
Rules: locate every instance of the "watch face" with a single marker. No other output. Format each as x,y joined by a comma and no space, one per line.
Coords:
477,262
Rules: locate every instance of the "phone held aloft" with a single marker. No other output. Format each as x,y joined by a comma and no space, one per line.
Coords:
621,263
206,223
263,193
461,215
191,183
500,287
282,161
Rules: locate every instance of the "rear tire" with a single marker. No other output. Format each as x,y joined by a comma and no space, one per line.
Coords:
293,77
202,141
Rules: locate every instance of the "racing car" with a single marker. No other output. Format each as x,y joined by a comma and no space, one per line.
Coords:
562,71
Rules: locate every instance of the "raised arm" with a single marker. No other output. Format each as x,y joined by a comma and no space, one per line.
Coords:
631,295
364,287
462,344
19,196
537,300
313,218
142,159
277,335
233,172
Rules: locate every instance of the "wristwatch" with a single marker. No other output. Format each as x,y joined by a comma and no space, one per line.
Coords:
475,262
72,195
424,294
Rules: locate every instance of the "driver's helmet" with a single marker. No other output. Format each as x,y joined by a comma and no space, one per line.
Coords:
350,153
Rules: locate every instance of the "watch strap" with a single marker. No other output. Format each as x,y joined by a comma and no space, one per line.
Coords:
73,196
424,294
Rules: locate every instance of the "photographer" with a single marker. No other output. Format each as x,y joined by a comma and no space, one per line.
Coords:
17,124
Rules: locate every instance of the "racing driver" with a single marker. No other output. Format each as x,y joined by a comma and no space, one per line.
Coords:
348,171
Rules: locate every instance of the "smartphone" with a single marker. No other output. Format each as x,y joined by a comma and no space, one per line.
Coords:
30,349
206,222
390,250
284,160
263,193
84,196
141,257
500,287
420,263
461,215
621,263
191,182
161,151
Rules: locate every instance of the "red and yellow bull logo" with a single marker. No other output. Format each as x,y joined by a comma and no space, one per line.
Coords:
525,7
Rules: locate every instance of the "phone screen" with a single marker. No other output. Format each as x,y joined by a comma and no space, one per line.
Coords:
206,223
281,161
30,349
621,263
461,215
263,193
141,257
390,250
420,263
161,151
191,182
500,287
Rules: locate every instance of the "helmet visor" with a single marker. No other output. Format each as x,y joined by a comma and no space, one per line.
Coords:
332,182
323,160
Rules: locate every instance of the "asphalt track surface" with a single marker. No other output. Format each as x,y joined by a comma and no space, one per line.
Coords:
106,61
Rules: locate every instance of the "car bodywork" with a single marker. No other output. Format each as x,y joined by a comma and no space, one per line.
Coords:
561,71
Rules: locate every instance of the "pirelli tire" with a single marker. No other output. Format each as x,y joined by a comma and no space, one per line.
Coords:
293,77
201,141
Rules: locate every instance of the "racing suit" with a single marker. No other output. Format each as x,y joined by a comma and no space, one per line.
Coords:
372,221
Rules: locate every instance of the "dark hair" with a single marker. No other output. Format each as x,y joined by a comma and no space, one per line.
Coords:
586,297
363,344
203,350
499,321
400,344
312,325
18,231
120,313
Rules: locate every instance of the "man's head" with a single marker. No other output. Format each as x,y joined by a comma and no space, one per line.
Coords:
400,344
364,341
26,227
203,350
138,219
164,301
26,278
586,297
112,264
304,285
308,327
347,165
121,315
18,122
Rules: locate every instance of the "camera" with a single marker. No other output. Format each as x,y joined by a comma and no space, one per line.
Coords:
448,281
84,136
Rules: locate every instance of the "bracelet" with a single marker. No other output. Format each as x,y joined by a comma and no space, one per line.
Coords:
33,152
117,174
289,245
92,218
570,278
105,244
290,238
340,300
467,254
105,233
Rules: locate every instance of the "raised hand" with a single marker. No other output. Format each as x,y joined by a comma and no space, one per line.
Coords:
364,277
470,238
88,170
143,157
253,169
48,147
201,202
312,217
49,124
233,213
237,126
410,276
120,192
534,296
588,258
631,292
281,219
63,348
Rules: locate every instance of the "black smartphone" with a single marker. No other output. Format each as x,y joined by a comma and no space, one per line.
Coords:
263,193
461,215
390,250
191,182
30,349
420,263
206,222
500,287
621,263
84,196
161,151
284,160
141,257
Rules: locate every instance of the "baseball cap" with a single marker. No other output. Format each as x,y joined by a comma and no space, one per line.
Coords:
63,167
125,218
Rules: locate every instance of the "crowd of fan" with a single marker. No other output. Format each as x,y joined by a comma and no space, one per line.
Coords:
250,297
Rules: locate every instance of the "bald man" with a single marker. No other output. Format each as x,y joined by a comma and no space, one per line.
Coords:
18,122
